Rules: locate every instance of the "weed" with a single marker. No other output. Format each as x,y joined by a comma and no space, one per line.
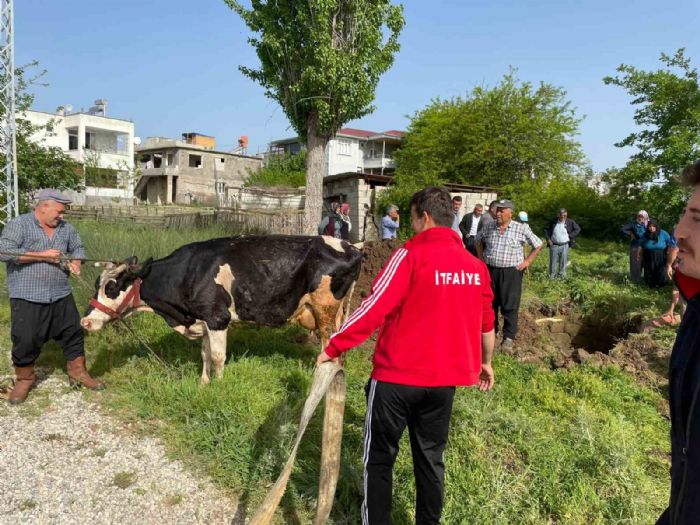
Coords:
27,504
174,499
124,480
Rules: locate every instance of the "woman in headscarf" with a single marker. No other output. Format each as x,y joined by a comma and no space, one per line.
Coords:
635,231
658,252
332,223
346,226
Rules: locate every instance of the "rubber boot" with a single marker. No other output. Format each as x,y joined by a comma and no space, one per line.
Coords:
78,375
25,381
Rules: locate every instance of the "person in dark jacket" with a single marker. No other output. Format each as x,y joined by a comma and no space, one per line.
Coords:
684,374
635,231
658,253
470,225
561,234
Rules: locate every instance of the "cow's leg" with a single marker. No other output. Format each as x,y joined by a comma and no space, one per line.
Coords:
206,361
217,345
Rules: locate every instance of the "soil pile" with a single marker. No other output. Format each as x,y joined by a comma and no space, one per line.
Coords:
374,255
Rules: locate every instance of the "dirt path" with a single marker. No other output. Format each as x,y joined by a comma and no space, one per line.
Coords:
64,462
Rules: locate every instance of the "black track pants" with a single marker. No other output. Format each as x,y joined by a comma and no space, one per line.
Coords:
507,285
33,324
426,412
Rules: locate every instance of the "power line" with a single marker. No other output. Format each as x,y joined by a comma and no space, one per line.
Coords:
9,207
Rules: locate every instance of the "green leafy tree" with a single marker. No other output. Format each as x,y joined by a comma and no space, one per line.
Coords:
667,111
493,137
283,170
321,60
39,166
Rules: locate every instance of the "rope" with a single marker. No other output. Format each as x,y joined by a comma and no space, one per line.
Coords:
143,343
60,257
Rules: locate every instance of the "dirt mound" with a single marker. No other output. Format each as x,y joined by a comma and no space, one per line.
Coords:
374,255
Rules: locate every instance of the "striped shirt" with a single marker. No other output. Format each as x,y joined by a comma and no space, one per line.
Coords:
505,250
39,282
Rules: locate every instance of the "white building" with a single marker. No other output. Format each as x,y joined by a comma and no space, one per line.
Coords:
95,141
352,150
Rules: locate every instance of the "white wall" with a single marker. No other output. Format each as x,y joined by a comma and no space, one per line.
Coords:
104,130
339,163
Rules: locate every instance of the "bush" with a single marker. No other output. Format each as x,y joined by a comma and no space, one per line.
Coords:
284,170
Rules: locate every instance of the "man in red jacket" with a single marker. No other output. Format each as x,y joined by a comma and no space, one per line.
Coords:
433,304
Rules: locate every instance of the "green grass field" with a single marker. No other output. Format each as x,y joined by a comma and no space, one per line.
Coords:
578,446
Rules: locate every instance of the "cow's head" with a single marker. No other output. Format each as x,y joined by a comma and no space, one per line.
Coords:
115,293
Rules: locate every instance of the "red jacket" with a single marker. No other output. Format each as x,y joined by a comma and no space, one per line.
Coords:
432,301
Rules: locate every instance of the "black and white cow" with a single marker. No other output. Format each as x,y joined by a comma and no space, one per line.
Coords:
202,287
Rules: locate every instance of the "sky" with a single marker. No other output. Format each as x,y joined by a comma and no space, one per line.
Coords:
171,66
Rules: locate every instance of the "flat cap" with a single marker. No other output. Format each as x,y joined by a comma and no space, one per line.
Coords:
49,194
504,203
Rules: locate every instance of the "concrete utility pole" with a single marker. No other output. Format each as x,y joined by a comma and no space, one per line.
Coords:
9,202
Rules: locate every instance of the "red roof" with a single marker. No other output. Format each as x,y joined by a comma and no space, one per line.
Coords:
361,133
356,132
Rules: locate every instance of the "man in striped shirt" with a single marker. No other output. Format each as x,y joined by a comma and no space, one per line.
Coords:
41,250
432,301
500,244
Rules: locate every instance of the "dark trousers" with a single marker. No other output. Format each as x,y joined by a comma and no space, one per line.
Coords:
507,285
654,266
470,245
33,324
426,412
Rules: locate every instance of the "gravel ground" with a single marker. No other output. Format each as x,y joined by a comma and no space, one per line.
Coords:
62,461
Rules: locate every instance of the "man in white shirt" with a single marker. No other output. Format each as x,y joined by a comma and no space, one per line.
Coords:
470,225
560,234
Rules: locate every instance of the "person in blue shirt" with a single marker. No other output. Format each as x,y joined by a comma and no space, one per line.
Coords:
390,222
658,253
635,231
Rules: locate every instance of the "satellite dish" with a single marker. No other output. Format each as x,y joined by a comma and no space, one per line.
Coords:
137,141
68,108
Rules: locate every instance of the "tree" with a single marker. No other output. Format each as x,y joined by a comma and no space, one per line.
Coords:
667,109
39,166
492,137
321,60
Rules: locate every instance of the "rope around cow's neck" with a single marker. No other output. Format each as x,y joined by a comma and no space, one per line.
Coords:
86,286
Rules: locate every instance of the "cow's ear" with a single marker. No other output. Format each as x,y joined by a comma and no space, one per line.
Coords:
140,270
145,268
131,261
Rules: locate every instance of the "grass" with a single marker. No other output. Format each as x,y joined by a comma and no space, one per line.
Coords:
575,446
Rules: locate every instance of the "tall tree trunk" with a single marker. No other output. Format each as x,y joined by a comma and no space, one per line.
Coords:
315,169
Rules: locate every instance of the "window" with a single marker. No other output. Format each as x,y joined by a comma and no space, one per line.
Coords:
73,140
195,161
89,140
170,159
220,187
343,147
